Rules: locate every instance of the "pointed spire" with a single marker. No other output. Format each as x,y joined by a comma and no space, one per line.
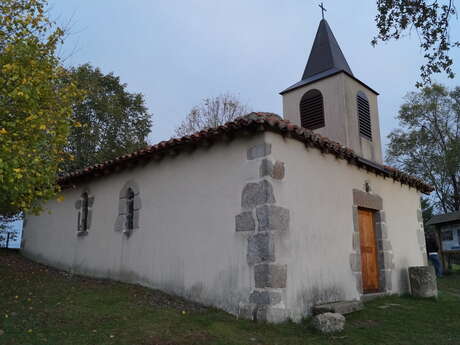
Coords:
325,54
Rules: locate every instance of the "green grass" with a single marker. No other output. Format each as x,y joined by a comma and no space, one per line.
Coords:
39,305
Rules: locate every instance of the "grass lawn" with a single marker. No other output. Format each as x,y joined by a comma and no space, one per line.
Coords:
39,305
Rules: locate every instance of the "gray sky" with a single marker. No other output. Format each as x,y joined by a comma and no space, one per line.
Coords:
177,52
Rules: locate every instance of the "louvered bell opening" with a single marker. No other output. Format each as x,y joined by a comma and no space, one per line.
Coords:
364,117
312,110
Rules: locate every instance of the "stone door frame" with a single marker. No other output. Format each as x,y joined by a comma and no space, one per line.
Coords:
373,202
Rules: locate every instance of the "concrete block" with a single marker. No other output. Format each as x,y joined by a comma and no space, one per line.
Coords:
247,311
130,184
120,223
245,222
270,276
356,241
355,262
380,217
78,204
420,216
388,280
261,248
271,314
122,206
265,297
388,260
270,218
359,281
255,194
386,245
368,200
266,168
259,150
136,219
278,170
355,219
137,202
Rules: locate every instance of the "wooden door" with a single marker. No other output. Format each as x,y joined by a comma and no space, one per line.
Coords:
369,264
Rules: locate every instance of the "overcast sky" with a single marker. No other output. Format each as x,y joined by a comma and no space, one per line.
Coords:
177,52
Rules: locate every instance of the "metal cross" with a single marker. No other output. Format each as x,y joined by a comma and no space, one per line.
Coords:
323,9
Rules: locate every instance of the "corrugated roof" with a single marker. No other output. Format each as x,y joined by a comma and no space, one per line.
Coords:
249,124
445,218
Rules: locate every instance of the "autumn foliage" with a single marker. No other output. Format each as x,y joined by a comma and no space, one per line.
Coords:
35,106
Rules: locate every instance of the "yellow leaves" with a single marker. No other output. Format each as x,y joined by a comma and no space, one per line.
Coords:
60,198
78,124
36,92
7,67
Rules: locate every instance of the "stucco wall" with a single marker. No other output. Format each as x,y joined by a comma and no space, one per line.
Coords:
186,242
318,191
340,113
261,227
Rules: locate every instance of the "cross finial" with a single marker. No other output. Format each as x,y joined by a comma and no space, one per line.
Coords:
323,9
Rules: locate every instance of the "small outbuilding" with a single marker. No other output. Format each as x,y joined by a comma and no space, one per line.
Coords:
447,227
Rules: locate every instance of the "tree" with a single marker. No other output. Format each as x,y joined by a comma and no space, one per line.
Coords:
212,112
110,121
430,19
428,145
35,106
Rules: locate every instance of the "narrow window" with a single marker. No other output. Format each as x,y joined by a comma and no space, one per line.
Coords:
312,110
364,116
130,215
84,212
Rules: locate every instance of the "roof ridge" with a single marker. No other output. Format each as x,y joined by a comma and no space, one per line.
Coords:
255,122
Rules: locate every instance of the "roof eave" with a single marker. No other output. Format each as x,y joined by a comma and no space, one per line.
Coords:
298,85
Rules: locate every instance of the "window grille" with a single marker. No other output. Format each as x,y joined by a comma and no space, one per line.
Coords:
312,110
364,116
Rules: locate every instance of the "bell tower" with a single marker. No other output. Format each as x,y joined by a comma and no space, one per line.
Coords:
332,102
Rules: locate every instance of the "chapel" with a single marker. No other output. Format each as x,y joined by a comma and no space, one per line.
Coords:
265,217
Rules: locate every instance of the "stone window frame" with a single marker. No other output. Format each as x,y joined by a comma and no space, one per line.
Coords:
373,202
84,214
125,223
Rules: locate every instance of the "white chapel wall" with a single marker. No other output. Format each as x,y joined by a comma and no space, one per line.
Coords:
186,242
317,190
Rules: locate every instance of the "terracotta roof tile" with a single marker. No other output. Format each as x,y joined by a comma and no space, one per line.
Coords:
254,122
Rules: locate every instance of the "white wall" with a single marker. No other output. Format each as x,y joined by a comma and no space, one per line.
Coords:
186,243
317,189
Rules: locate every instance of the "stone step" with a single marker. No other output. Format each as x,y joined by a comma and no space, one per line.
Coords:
342,307
370,296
